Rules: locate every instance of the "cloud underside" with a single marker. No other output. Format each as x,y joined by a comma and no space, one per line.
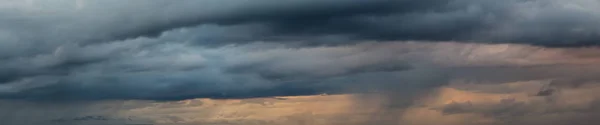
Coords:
177,71
99,50
331,62
539,22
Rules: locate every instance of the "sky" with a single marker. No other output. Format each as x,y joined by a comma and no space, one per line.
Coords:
304,62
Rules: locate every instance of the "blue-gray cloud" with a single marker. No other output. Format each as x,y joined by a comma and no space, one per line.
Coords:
151,69
539,22
162,50
143,69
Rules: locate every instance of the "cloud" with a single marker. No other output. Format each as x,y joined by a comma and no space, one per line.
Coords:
538,22
154,69
568,106
458,103
130,70
91,50
541,52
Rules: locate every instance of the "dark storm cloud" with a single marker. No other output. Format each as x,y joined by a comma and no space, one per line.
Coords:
109,49
110,20
539,22
549,23
142,69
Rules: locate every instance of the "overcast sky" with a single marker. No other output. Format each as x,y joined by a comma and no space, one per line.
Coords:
533,53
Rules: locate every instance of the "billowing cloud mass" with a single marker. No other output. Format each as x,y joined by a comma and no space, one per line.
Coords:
539,22
172,71
381,62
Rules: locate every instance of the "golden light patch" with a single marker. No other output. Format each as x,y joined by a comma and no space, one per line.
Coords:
278,109
373,109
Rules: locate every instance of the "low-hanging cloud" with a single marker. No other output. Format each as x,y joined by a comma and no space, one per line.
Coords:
78,49
150,69
404,56
130,70
538,22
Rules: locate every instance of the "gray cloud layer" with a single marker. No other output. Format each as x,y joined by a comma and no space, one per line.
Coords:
539,22
74,50
161,50
124,70
154,70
